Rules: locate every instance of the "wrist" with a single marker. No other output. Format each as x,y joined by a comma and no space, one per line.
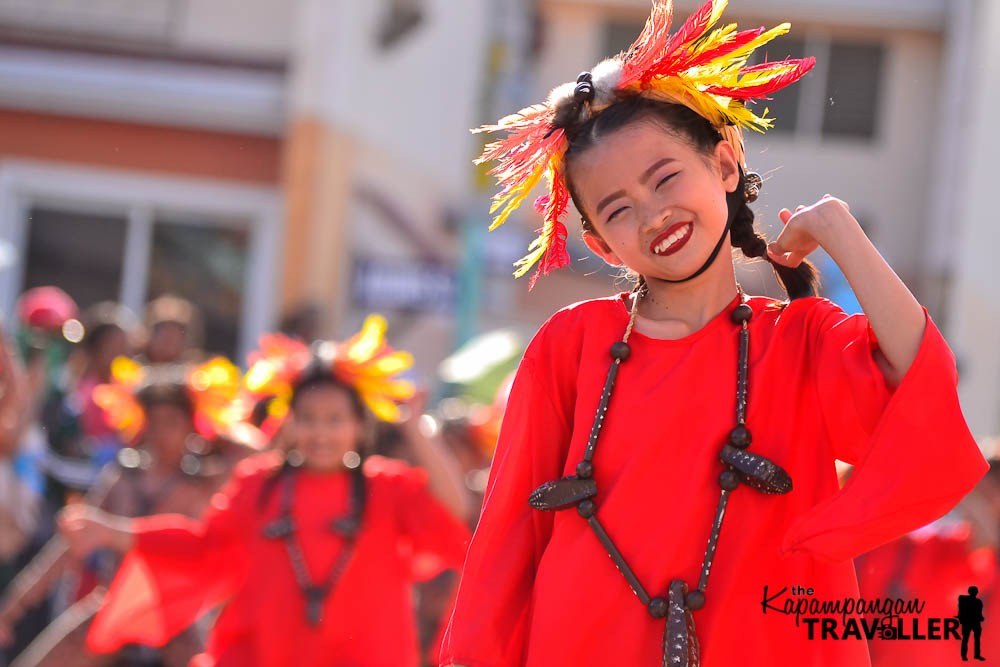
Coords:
839,236
118,535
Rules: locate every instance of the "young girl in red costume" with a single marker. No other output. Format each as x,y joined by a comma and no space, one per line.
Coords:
640,423
313,552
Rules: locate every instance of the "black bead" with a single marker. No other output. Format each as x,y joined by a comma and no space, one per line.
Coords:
740,437
586,508
657,608
741,313
694,600
584,76
620,350
729,480
585,469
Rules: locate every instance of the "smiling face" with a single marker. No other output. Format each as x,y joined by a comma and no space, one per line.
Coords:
655,203
325,426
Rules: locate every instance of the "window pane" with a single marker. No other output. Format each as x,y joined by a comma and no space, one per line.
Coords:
619,35
852,89
783,106
206,265
79,252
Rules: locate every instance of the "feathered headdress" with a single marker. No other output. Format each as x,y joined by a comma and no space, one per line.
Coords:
211,389
705,71
364,361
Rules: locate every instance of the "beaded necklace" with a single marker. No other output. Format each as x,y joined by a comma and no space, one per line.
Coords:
680,642
346,526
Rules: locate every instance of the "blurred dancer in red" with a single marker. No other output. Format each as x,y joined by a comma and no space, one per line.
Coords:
313,552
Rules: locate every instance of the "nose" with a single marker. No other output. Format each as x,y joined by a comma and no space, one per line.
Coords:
655,217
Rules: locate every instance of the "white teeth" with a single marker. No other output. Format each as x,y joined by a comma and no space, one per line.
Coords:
673,238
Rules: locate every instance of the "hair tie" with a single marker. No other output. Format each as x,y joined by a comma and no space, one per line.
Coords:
752,186
584,91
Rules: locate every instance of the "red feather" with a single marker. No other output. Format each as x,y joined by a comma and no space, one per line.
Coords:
734,42
648,47
693,28
760,90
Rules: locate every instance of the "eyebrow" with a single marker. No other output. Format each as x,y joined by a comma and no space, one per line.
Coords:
646,175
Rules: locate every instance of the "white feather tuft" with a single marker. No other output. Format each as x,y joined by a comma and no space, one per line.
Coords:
607,75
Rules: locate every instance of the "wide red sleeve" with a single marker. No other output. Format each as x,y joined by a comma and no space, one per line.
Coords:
437,539
179,568
493,605
914,456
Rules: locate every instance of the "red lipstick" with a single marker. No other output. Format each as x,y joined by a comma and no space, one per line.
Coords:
679,228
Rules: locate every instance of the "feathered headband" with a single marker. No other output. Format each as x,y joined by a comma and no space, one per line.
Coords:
212,390
705,71
364,361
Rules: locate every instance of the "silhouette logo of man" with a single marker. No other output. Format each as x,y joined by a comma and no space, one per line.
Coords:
970,615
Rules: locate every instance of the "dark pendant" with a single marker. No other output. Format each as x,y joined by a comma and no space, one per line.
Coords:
757,471
279,528
560,494
315,595
680,643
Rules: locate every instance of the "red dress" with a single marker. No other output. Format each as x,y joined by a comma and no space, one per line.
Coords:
538,589
180,569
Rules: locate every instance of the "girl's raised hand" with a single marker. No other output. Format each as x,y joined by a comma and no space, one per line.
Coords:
807,228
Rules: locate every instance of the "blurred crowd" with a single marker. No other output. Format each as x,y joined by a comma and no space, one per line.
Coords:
59,445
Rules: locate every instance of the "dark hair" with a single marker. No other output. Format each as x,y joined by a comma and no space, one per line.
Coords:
102,319
166,384
318,373
688,125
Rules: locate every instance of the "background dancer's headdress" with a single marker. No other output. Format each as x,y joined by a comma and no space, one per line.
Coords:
364,362
210,390
705,71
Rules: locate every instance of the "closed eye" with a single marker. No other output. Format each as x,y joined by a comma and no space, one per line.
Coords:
665,179
616,212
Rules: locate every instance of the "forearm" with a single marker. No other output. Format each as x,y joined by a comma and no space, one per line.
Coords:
119,535
895,316
35,580
444,475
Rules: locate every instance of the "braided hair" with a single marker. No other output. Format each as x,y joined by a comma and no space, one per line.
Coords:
685,123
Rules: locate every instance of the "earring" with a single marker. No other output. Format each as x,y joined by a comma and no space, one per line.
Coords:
295,458
751,187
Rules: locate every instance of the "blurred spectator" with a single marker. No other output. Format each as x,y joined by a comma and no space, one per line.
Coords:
175,331
19,498
173,470
80,439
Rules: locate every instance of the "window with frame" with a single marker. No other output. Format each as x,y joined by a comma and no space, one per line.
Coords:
853,78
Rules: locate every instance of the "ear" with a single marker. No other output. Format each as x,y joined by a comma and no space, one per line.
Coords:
729,170
600,248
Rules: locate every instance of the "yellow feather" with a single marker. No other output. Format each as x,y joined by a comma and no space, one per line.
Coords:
526,262
368,340
743,52
513,199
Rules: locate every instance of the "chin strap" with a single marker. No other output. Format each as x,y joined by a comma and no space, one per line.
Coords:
735,199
